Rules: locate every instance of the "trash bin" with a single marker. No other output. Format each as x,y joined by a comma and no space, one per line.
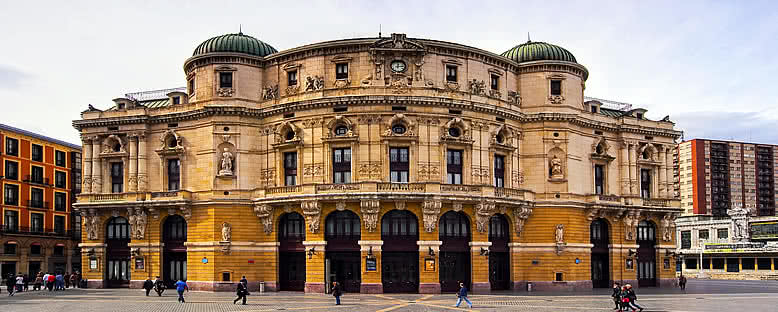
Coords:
529,286
261,287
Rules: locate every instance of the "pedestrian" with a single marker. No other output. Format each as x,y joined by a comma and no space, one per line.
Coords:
245,282
616,296
241,291
682,282
10,281
60,282
66,278
78,280
50,281
159,286
180,287
632,298
148,285
26,282
46,280
336,292
19,282
38,281
462,295
72,279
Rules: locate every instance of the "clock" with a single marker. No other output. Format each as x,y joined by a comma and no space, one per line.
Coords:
398,66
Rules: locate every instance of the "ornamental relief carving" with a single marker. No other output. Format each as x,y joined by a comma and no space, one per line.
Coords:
265,214
313,170
92,223
483,211
288,132
517,177
268,176
315,83
113,144
370,209
312,212
481,174
556,99
270,92
431,211
429,171
292,90
520,215
171,144
400,119
464,132
477,87
225,92
370,169
312,123
369,119
514,98
341,121
138,220
341,83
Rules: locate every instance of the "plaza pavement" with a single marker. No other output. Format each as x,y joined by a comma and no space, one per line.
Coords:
701,295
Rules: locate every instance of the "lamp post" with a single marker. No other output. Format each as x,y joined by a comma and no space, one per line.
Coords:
702,247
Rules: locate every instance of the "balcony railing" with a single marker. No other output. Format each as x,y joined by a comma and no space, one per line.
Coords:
402,187
508,192
36,231
108,197
655,202
36,180
284,189
37,204
610,198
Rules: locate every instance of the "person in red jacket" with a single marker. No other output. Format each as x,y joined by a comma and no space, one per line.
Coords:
50,282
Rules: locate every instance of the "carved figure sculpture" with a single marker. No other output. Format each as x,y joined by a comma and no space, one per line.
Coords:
270,92
139,228
560,233
226,232
226,165
556,168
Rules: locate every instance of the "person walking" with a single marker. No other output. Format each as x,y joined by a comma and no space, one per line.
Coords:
19,282
180,287
26,282
46,280
632,297
148,285
10,281
72,279
50,282
38,281
462,295
616,296
66,278
245,282
159,286
336,292
241,291
60,285
682,282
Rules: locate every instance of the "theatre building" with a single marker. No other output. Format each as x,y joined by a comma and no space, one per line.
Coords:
388,164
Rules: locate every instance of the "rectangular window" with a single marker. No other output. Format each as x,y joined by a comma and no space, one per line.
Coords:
499,171
722,233
556,87
36,152
225,80
645,183
11,194
398,164
291,77
36,222
36,198
686,239
12,147
59,226
599,179
703,234
176,100
495,82
9,249
60,201
341,165
117,177
60,158
60,179
191,86
454,166
173,174
35,249
451,73
59,250
11,170
290,168
341,71
37,175
594,109
11,220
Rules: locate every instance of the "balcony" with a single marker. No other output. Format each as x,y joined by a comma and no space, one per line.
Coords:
24,230
656,202
389,188
36,180
37,204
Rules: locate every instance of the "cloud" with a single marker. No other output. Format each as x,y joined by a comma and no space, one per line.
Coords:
11,78
754,127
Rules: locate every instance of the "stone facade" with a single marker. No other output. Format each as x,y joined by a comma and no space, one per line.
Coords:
395,94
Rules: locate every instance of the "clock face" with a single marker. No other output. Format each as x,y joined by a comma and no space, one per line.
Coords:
398,66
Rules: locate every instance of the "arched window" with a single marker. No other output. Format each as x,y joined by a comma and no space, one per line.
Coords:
646,231
291,227
342,225
398,129
118,229
498,228
399,224
341,130
598,232
175,228
454,225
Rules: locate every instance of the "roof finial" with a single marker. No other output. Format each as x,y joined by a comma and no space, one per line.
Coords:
379,30
528,40
240,29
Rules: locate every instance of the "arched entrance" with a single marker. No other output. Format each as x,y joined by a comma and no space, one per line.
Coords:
117,238
291,234
599,237
342,262
400,253
174,252
646,254
455,251
499,257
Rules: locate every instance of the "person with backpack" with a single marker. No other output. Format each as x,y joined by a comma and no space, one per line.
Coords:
632,298
462,295
242,292
336,292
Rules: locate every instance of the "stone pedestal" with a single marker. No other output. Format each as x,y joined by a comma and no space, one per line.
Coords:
481,288
429,288
371,288
314,287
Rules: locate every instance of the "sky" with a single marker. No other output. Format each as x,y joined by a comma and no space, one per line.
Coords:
710,65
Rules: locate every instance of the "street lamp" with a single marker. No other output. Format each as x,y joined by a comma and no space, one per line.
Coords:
702,247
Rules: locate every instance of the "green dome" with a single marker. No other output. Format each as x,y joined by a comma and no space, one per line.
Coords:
235,43
538,51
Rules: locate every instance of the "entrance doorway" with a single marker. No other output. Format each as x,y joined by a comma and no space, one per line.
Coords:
174,255
7,268
34,268
117,273
400,252
646,254
455,252
342,233
499,256
291,234
598,236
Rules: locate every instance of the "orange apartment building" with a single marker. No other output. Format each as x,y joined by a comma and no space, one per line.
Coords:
40,177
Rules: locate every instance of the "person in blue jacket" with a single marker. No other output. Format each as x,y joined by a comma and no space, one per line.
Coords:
462,295
180,287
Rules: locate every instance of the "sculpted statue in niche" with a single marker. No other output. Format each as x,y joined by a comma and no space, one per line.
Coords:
226,232
226,163
556,168
560,233
270,92
477,87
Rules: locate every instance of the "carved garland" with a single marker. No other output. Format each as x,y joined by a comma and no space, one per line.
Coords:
312,212
431,211
370,210
265,214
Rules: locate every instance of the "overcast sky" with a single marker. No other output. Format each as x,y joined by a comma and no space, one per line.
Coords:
710,65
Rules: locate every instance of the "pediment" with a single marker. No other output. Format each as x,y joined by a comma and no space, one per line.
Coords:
397,42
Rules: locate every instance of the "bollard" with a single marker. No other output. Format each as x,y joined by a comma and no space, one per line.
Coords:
261,287
529,287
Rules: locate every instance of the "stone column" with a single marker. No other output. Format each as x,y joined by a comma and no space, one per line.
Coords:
314,267
633,167
669,168
142,174
662,173
371,280
97,169
429,280
480,267
132,180
86,158
625,169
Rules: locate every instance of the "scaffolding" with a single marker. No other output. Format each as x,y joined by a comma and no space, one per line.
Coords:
621,106
152,95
